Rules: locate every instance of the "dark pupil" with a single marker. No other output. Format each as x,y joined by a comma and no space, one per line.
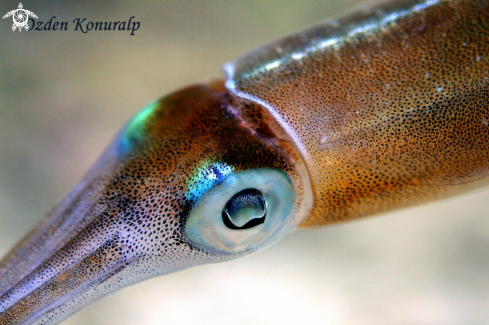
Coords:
245,210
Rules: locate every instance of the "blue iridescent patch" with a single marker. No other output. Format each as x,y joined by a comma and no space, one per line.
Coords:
207,175
135,130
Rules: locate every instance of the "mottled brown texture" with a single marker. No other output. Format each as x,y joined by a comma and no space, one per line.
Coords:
389,114
125,221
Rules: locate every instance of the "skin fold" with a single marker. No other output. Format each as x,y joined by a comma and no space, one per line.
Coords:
387,115
370,144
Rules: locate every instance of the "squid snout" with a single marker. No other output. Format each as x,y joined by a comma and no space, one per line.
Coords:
196,177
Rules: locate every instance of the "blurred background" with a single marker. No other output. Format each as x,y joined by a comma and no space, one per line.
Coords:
64,94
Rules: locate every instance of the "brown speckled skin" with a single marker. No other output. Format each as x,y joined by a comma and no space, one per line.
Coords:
389,117
125,221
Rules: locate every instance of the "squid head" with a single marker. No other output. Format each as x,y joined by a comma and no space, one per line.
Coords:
196,177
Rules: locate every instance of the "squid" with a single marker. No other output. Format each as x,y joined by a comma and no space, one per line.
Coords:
380,109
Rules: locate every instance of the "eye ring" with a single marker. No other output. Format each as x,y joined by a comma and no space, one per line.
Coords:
206,226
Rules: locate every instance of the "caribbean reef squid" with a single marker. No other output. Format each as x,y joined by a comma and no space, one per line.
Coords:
380,109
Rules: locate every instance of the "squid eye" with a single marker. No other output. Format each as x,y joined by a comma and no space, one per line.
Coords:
245,211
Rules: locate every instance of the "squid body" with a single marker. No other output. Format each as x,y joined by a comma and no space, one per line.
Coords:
380,109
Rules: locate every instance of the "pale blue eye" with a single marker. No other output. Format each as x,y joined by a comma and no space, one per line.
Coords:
244,211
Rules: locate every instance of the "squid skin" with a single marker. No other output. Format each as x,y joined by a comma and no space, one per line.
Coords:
378,110
386,114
